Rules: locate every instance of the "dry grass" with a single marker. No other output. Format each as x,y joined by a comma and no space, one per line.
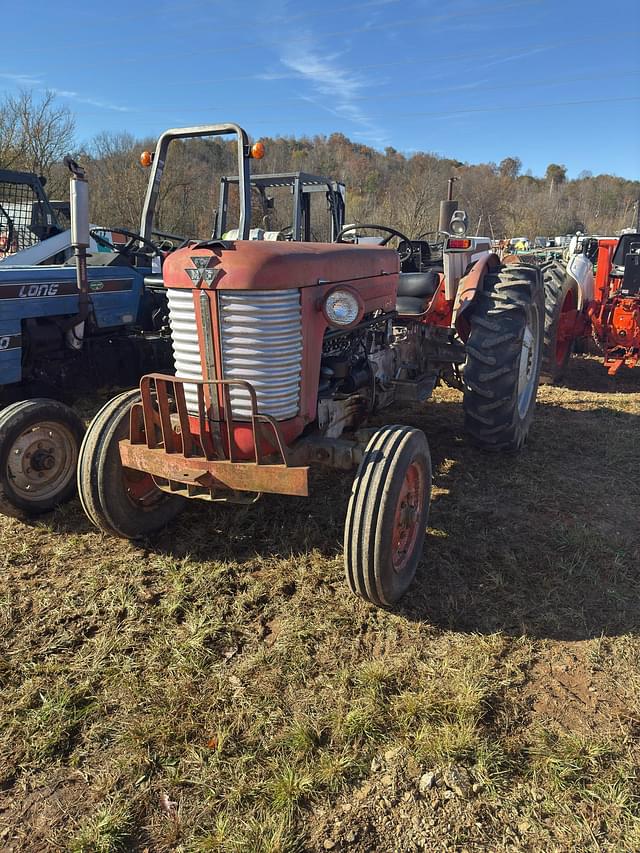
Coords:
219,690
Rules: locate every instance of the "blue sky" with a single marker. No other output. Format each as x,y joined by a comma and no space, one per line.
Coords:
542,80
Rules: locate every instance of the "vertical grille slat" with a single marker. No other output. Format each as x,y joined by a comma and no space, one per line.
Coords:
186,346
261,332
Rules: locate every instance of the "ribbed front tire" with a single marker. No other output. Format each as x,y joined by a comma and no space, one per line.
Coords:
119,500
387,515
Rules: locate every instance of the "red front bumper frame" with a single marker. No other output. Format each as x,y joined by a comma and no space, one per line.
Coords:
198,456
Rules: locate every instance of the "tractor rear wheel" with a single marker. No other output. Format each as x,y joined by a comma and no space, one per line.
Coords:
387,515
39,443
560,298
504,354
119,500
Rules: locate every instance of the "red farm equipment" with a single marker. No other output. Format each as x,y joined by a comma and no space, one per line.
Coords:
615,314
604,308
282,350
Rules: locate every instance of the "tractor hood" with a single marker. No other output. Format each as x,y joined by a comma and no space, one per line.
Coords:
261,265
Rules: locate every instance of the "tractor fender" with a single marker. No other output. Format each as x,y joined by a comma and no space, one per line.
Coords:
470,284
580,269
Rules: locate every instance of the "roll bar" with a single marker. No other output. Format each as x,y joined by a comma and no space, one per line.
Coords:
302,184
159,159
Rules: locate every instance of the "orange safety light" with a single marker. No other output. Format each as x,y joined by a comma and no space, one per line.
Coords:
257,151
146,159
458,244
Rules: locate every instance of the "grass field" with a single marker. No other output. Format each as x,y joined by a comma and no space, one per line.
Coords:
220,689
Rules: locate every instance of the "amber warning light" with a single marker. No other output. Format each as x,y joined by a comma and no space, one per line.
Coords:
146,159
257,151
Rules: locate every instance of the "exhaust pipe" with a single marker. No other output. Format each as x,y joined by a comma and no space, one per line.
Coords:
447,208
80,242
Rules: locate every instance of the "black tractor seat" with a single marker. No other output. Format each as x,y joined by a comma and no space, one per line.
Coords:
416,290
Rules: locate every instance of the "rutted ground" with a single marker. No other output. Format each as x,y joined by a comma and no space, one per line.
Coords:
221,690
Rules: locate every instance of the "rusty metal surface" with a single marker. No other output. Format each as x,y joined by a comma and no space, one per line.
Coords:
469,285
165,442
329,452
216,474
266,265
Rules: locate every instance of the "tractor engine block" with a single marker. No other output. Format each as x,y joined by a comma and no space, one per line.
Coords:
360,367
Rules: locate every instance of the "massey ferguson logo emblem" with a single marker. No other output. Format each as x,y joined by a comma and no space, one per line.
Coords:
201,274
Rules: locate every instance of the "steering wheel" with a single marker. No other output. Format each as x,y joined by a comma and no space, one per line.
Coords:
392,232
124,249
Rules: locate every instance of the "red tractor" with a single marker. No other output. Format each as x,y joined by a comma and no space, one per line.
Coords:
282,351
615,313
604,308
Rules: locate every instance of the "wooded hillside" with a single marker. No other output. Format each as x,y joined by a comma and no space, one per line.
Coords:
382,186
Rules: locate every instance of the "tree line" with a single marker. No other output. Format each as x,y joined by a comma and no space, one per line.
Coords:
387,186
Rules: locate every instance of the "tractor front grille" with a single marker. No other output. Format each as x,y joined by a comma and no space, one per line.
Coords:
261,335
186,346
261,342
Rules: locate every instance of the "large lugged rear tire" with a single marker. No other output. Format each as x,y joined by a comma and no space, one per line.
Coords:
560,296
504,354
39,443
119,500
387,515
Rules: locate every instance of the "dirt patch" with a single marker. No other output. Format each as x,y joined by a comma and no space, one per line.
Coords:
35,812
404,807
564,688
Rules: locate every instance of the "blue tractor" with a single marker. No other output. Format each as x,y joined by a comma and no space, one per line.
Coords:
83,320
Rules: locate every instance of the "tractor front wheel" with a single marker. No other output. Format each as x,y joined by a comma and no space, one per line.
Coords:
119,500
560,300
39,442
504,352
387,516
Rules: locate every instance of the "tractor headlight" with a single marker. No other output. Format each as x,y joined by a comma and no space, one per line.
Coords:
343,307
459,223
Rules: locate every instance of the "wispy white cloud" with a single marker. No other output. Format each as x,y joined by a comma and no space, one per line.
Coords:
22,79
93,102
36,81
331,79
512,57
269,75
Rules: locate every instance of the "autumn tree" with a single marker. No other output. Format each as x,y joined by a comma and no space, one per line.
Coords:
556,174
510,167
35,132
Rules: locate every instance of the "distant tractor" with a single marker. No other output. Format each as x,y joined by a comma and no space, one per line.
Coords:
27,216
603,308
283,350
82,319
